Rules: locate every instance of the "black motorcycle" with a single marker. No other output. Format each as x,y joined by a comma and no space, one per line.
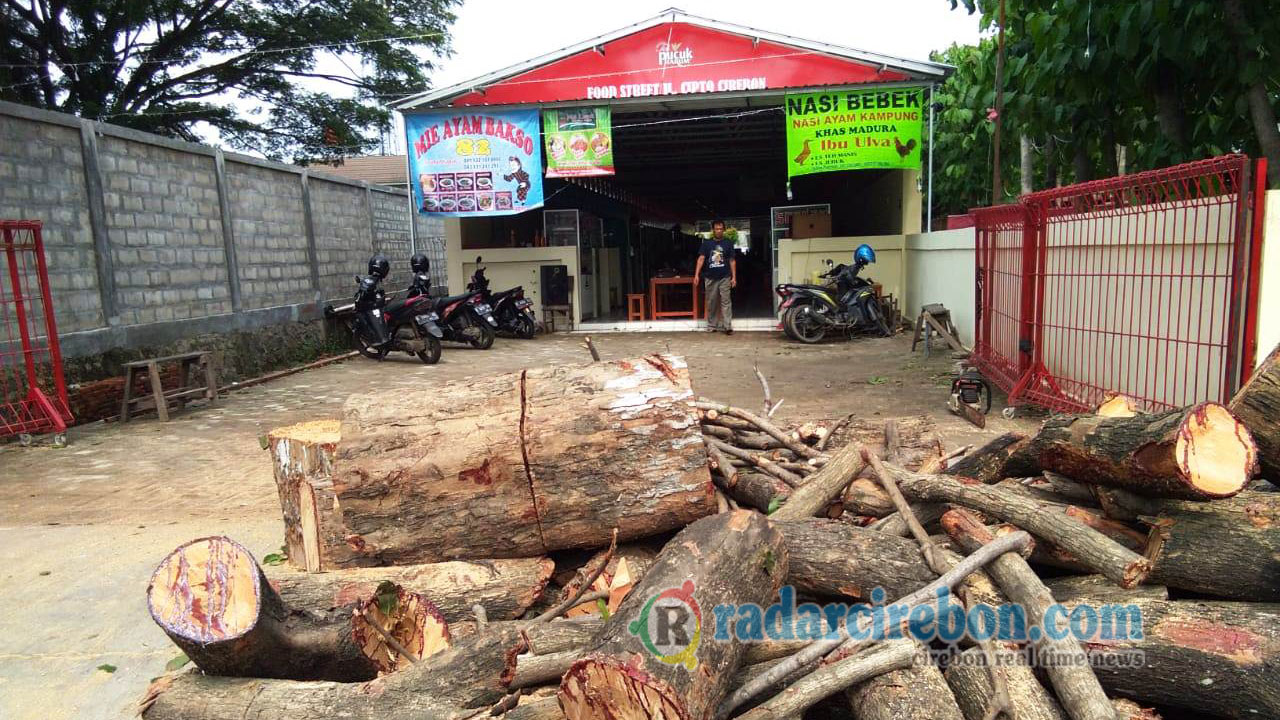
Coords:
512,310
406,324
464,318
849,304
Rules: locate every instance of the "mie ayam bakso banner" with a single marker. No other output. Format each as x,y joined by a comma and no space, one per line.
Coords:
579,141
854,130
468,163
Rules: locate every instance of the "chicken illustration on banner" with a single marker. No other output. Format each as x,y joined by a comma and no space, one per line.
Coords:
854,130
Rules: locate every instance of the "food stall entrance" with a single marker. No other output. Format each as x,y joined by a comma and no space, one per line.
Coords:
691,115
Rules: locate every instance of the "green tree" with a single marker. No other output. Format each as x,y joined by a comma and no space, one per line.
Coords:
252,69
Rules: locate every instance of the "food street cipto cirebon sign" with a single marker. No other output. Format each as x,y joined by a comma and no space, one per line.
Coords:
469,163
579,141
854,130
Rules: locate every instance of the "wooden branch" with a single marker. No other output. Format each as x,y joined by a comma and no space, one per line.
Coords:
1074,682
576,598
591,347
822,443
764,385
830,679
796,447
987,463
758,460
1093,549
825,485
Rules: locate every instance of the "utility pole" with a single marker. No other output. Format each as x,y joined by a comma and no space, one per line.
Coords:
997,193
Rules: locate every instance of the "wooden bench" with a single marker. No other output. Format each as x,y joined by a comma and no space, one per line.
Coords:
188,363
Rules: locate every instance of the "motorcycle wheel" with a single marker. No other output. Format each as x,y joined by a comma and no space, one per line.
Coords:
431,355
800,324
480,334
881,324
525,328
370,352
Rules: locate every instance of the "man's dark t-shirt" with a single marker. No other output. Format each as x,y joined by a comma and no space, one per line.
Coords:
716,255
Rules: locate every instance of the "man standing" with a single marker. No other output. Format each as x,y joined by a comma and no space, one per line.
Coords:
717,264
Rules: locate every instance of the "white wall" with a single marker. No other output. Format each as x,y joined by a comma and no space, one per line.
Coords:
798,259
940,269
1269,292
508,267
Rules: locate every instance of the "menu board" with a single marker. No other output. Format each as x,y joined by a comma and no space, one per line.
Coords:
474,163
579,141
854,130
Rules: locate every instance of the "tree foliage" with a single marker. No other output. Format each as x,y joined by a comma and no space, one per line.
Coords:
255,70
1170,80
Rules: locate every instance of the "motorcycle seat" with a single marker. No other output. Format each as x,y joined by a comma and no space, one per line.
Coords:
394,306
444,302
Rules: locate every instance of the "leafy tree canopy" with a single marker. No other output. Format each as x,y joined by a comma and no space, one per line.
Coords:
252,69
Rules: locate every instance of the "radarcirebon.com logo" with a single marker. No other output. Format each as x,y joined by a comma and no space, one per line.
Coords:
670,626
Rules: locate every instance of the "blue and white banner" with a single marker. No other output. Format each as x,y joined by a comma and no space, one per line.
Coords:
467,163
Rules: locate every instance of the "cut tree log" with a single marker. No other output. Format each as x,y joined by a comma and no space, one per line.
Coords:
211,598
1225,548
987,463
758,490
1073,680
918,691
451,685
505,588
1093,549
735,557
831,679
1216,659
971,687
543,459
1116,405
823,487
1070,587
1195,453
864,496
1257,404
834,559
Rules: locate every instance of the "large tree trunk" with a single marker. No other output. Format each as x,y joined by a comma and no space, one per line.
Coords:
1169,111
988,463
824,486
504,588
735,557
1211,658
451,685
1195,453
915,692
211,598
1261,112
1257,404
1051,162
540,460
1227,548
834,559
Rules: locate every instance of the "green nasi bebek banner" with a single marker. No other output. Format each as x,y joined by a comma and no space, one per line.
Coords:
854,130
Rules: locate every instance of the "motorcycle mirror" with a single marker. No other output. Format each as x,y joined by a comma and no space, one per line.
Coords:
477,259
829,263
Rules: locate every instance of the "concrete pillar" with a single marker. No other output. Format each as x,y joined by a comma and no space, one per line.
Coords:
313,257
104,262
228,230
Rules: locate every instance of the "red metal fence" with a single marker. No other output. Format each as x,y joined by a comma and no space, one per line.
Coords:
1142,284
33,392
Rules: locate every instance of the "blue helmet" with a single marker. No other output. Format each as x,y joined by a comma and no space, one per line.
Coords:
864,254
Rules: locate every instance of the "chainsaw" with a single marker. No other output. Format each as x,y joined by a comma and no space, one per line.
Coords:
970,397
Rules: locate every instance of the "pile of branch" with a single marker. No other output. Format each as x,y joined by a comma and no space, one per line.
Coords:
581,577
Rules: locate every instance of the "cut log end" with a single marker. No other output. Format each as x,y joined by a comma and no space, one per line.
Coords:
602,687
1117,405
1215,452
315,432
208,590
411,620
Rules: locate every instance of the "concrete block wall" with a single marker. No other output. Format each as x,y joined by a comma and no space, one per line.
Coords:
157,246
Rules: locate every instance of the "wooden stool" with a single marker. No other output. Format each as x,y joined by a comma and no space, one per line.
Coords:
635,306
549,313
936,319
159,397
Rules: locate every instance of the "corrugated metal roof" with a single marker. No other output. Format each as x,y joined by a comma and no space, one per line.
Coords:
379,169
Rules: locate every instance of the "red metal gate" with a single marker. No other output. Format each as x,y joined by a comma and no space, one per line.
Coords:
33,391
1140,284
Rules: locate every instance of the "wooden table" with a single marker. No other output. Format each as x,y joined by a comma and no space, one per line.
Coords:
656,284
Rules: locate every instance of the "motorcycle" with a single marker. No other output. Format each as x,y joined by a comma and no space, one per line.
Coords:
405,325
848,304
512,310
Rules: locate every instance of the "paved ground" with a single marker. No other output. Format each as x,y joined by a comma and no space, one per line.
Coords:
81,528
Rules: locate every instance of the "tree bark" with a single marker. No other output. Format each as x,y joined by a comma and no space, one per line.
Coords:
971,687
1257,404
1069,587
1211,658
1082,157
918,691
1074,683
1261,111
758,490
1197,453
1028,165
504,588
831,679
1169,111
450,685
864,496
213,601
1225,548
543,460
1093,549
735,557
823,487
1051,162
833,559
987,463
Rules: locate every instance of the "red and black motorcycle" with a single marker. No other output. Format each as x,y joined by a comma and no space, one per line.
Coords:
379,327
511,309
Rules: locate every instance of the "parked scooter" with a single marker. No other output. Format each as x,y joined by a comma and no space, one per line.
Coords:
849,304
464,318
406,325
511,309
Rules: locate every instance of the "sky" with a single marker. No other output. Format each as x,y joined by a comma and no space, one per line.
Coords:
492,34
